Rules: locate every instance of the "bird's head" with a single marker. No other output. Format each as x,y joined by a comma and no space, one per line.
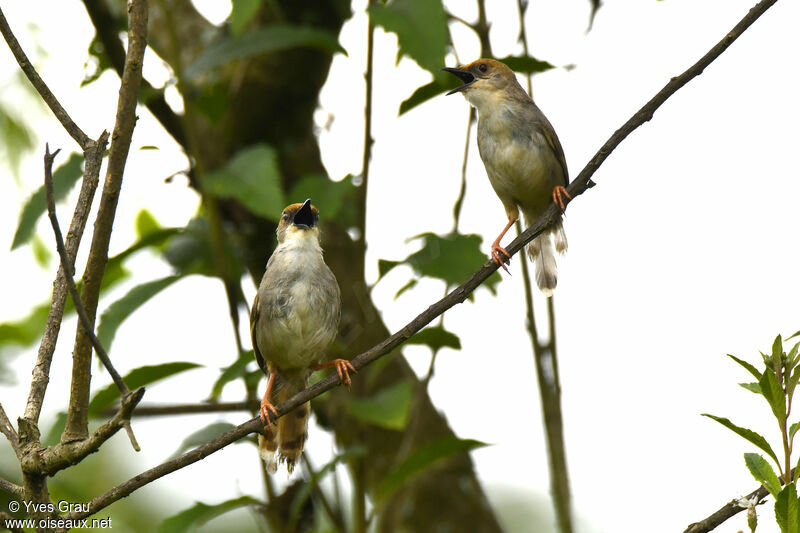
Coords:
485,81
299,222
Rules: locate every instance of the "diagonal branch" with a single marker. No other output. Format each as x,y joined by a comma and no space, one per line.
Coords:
7,429
726,511
93,157
69,270
44,91
189,409
11,488
78,411
458,295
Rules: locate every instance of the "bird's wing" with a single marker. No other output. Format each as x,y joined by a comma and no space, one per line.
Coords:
255,312
552,140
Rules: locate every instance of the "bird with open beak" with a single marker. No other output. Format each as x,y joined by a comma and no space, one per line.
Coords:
294,320
523,159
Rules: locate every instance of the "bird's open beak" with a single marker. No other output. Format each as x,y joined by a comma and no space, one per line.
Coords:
465,76
304,218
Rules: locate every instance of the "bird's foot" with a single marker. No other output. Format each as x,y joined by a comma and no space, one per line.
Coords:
559,193
266,408
343,368
497,250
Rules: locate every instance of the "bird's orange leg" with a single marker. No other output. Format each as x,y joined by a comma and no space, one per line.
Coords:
343,366
497,249
266,405
559,193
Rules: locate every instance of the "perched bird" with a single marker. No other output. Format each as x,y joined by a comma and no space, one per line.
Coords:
522,156
295,318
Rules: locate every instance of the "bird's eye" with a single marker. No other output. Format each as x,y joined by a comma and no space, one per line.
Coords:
483,67
286,216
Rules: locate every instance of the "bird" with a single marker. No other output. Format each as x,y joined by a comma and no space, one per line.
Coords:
523,158
293,321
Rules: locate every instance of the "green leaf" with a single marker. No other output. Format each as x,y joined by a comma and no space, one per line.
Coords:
409,285
750,368
98,60
146,224
773,393
384,266
273,38
253,178
777,350
330,197
420,26
452,258
201,513
792,355
793,429
118,311
53,435
526,64
436,338
190,251
746,434
41,252
201,436
17,139
27,330
786,509
242,13
388,408
423,94
64,178
236,370
423,458
752,387
793,335
763,472
138,377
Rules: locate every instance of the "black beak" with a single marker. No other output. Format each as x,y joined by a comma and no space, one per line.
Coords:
304,218
465,76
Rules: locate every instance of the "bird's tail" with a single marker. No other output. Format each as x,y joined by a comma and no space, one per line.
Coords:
288,436
541,253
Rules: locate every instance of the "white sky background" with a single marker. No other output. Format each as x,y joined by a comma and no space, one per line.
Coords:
686,250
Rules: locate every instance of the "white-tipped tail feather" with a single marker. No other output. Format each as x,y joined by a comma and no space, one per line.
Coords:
541,252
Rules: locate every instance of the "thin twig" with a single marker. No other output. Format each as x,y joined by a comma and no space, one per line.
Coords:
7,429
725,512
335,517
11,488
70,271
544,357
188,409
368,140
77,412
458,295
41,87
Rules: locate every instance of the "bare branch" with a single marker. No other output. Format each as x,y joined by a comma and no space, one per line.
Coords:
726,511
69,270
189,409
458,295
78,411
50,460
93,157
11,488
7,429
49,98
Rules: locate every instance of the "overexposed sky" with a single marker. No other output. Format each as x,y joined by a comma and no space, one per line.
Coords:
686,250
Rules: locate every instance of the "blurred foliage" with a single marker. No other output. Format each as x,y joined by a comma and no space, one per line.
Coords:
17,139
203,435
388,408
64,178
776,384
